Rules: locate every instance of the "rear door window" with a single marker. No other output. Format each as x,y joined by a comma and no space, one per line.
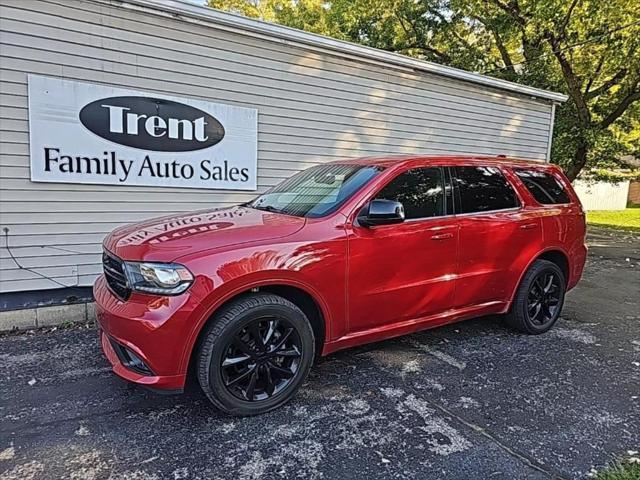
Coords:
544,187
420,190
483,189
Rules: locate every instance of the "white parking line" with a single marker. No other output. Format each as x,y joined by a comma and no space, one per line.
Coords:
444,357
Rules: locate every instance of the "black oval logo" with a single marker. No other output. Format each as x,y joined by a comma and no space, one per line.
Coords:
152,124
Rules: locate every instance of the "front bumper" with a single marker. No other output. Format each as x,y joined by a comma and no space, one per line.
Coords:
145,338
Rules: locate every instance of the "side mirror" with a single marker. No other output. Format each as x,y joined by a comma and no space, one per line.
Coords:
381,212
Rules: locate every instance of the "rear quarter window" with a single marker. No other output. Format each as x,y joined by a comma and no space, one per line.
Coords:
544,187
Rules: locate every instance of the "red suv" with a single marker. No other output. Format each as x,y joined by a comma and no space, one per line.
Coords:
338,255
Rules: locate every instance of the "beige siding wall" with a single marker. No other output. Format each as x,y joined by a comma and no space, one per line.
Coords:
313,107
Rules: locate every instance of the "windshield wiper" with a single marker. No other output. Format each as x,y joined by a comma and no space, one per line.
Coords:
267,208
271,208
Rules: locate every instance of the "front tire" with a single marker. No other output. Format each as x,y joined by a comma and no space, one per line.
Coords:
539,299
255,354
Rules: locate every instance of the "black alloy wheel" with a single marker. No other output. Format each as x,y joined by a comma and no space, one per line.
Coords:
539,299
261,359
543,301
254,354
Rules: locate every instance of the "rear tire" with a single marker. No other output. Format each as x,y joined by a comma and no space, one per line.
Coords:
539,299
255,354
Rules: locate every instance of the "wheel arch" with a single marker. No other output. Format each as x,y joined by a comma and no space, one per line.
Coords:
559,258
300,295
555,255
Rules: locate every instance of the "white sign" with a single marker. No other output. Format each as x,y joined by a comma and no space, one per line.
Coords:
86,133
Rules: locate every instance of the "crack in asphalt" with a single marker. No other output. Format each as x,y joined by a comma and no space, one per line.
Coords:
530,462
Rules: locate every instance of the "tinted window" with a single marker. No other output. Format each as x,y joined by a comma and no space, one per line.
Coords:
316,191
421,192
483,189
543,186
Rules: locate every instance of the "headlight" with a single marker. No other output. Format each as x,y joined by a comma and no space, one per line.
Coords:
158,278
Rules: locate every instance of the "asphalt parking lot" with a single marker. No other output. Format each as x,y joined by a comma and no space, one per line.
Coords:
469,401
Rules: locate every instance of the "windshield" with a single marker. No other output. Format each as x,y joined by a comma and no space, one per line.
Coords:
317,191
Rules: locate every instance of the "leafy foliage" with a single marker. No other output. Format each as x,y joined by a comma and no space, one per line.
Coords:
610,175
589,50
621,469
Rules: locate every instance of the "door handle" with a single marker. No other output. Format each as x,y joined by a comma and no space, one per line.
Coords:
442,236
528,226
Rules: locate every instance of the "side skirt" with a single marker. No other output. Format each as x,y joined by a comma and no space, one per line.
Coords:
384,332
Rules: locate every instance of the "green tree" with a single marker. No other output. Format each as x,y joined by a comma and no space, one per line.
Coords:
588,49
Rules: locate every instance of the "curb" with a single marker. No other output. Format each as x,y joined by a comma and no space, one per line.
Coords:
30,318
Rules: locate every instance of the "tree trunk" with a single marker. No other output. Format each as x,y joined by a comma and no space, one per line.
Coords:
578,161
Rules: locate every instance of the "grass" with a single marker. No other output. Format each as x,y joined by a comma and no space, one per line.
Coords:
619,470
628,219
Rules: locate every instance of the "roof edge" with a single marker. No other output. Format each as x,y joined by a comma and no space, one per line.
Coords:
188,9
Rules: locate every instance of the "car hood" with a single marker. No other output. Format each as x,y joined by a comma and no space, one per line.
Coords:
165,239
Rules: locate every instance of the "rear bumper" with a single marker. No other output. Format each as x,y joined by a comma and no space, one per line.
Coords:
578,261
152,331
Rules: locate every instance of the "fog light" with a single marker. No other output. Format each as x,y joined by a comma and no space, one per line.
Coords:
130,360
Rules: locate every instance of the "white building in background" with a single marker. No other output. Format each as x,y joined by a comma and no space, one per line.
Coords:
283,100
602,195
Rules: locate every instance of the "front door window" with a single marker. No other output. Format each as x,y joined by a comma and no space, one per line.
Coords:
420,190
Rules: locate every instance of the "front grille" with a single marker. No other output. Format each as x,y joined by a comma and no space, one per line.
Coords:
113,269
